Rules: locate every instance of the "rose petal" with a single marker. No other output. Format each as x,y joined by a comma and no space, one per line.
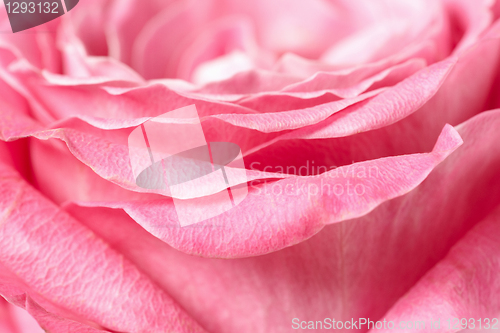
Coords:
253,228
29,220
465,284
28,310
15,320
353,269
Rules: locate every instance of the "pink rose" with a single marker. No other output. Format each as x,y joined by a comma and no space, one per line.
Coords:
364,203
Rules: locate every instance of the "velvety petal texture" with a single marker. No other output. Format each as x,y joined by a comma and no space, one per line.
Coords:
465,284
353,269
253,228
367,154
13,319
46,270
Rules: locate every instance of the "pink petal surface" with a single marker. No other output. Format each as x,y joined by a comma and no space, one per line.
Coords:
35,319
15,320
464,64
356,268
401,99
28,220
472,18
322,81
125,21
308,93
253,227
465,70
395,107
409,127
110,104
259,82
277,118
465,284
454,101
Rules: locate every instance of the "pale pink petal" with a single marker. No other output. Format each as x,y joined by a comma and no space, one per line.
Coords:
391,27
126,19
160,46
318,85
87,26
16,121
245,83
344,84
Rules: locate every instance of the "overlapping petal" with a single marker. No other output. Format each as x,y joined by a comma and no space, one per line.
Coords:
356,268
266,76
462,291
46,251
14,320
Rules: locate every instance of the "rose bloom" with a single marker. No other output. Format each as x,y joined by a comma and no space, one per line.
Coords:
369,136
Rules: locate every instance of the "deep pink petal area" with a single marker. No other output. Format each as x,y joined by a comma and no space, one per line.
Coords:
357,268
465,284
415,230
105,152
58,261
13,319
256,227
110,160
85,183
470,19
